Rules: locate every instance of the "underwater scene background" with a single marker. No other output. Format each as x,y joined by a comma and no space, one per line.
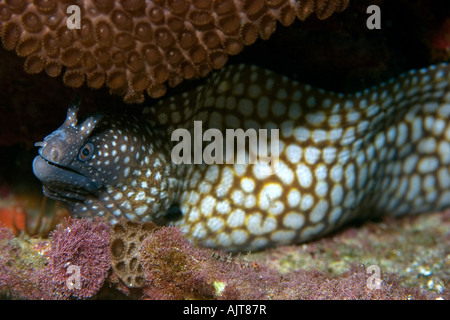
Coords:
39,240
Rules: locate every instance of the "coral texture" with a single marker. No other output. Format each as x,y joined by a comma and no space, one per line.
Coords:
126,240
135,45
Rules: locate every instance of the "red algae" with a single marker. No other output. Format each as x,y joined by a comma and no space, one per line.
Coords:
173,268
81,248
41,269
176,269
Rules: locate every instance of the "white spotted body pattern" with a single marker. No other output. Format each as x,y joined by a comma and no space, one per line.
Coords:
342,157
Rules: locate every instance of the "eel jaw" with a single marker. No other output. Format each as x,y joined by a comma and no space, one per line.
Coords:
62,183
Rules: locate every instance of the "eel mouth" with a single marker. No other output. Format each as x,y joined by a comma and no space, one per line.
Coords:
62,183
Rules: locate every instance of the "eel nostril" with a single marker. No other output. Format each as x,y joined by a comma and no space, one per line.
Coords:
54,154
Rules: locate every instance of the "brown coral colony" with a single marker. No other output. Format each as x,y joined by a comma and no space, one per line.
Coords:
126,240
134,46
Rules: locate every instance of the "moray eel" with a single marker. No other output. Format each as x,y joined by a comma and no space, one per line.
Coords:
385,150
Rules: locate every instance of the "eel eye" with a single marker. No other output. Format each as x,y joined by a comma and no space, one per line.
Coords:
86,152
